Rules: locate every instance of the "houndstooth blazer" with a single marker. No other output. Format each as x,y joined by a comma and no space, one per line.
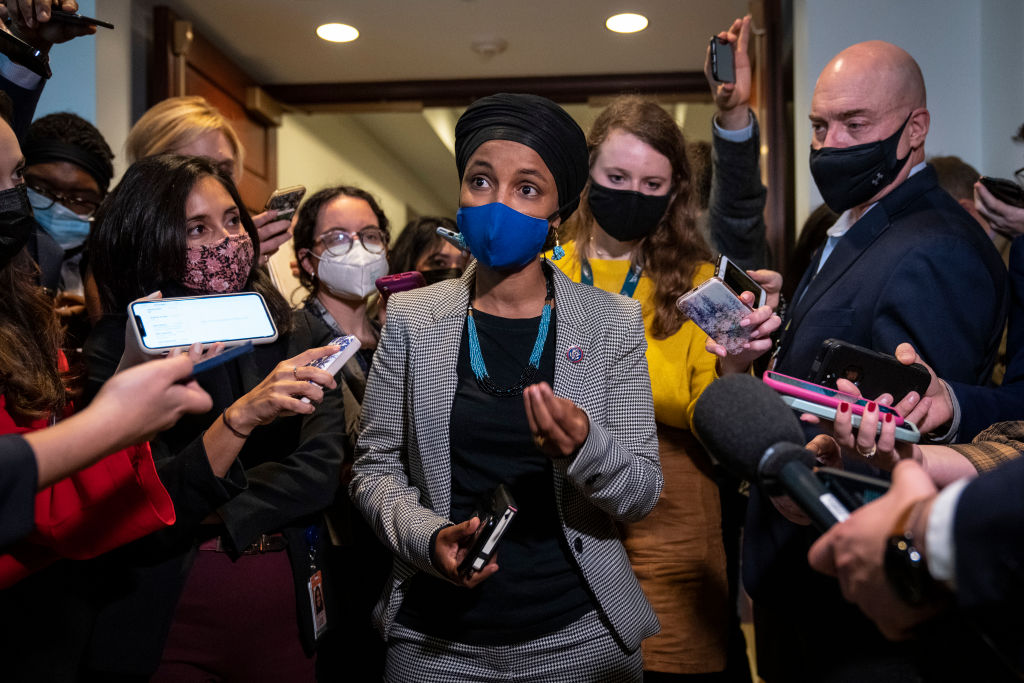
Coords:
402,479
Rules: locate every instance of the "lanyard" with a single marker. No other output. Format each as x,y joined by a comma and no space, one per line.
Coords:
628,286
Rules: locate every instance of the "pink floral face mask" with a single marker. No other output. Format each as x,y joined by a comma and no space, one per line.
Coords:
219,268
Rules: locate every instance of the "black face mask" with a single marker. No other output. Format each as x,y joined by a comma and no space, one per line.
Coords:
849,176
16,223
438,274
624,214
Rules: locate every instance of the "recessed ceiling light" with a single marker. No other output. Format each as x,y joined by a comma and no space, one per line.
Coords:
626,23
337,33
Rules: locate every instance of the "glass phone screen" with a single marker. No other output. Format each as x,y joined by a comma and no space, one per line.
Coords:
179,322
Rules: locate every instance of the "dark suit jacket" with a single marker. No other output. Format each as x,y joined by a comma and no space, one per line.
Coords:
736,208
915,268
982,406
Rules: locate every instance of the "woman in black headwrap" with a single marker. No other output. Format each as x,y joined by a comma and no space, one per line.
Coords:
511,375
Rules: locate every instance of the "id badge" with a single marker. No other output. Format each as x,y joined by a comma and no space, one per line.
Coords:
316,602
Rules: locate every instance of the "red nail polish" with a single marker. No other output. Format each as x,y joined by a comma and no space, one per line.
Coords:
888,417
844,407
872,407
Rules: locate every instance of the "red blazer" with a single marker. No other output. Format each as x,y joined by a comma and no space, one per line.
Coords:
113,502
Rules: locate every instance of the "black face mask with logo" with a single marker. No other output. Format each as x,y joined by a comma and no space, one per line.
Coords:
624,214
16,222
849,176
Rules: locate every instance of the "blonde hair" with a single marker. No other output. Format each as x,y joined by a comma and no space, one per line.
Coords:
175,123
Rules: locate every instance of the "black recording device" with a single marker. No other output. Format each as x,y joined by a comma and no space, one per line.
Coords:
77,19
498,512
722,61
23,54
873,373
768,450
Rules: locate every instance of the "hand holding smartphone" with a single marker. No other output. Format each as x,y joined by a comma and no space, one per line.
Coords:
821,396
1006,191
738,280
872,372
349,345
494,522
164,324
285,201
722,61
716,309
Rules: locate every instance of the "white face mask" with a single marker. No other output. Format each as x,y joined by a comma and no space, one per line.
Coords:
353,275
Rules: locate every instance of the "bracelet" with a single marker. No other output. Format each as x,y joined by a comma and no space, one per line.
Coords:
224,419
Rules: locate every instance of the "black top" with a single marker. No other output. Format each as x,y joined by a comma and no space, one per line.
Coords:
17,488
537,589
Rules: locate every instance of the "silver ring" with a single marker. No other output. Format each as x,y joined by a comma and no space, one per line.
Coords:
867,454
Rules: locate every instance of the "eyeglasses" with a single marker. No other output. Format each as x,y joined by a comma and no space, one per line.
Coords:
339,242
1019,175
83,206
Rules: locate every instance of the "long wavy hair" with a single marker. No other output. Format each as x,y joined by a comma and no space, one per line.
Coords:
30,338
671,254
138,243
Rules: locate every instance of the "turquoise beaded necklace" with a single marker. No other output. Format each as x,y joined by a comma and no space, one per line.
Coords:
476,358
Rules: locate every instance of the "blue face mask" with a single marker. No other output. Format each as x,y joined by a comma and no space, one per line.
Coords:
500,237
63,225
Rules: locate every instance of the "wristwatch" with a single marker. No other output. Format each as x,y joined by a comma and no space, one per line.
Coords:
905,566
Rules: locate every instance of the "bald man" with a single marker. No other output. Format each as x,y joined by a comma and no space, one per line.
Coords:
904,262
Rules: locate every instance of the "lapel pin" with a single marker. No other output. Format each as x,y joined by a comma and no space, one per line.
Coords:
574,354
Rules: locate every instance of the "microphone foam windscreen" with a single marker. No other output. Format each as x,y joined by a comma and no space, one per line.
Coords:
738,417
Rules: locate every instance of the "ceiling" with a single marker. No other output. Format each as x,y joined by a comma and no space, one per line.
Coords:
275,42
411,40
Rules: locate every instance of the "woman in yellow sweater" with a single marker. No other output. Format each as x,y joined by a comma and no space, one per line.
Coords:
635,234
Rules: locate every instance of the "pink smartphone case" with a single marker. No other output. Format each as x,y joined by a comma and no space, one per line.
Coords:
808,393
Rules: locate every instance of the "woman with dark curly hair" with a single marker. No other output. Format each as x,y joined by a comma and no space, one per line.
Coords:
636,234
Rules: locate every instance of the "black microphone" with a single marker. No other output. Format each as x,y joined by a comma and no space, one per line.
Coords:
764,446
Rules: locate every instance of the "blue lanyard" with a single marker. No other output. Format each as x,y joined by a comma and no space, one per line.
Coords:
628,286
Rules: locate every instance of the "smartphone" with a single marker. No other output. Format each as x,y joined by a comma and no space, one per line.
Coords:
873,372
722,62
494,523
905,431
218,360
454,238
399,282
286,201
164,324
738,280
831,398
72,18
718,311
853,490
349,345
1004,190
20,52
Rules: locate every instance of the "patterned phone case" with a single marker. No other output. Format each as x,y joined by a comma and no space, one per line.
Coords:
718,311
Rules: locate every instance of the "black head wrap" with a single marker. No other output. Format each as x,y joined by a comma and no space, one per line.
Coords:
43,151
538,123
